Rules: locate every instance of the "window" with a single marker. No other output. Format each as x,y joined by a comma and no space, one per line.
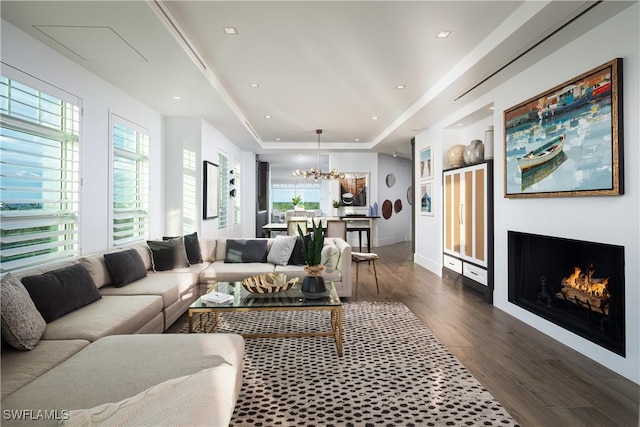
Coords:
130,177
237,212
223,194
40,180
281,195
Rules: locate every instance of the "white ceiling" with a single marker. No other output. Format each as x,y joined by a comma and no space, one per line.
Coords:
332,65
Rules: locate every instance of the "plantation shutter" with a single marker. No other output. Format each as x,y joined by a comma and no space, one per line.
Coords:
40,173
223,194
130,183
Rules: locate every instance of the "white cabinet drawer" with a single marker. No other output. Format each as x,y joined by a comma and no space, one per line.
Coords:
452,264
474,273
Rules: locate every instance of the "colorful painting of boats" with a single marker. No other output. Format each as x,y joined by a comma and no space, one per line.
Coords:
542,154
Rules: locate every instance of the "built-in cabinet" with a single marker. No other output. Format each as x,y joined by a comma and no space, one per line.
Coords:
468,226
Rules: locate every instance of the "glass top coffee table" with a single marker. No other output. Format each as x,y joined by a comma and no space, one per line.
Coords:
291,300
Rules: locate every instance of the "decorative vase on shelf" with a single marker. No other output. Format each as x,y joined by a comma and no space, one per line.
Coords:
488,143
455,156
474,152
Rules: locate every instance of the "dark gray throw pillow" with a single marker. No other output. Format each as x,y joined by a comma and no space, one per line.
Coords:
61,291
125,267
246,250
192,245
297,257
168,254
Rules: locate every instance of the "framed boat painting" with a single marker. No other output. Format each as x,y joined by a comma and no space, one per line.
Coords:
567,141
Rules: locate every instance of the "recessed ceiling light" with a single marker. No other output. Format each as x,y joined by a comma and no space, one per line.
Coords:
491,108
357,140
443,34
267,116
460,124
400,86
374,118
230,30
277,139
254,85
177,98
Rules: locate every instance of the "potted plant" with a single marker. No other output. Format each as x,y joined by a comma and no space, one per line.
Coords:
336,206
312,243
296,201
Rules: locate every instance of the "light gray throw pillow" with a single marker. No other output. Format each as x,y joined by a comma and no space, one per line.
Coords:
22,323
281,250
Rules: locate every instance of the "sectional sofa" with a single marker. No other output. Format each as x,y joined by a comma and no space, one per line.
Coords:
108,359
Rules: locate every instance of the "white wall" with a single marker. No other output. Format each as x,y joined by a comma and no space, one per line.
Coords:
99,99
398,227
182,137
212,142
190,141
612,220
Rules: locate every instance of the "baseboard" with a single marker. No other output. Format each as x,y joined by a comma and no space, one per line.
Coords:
431,265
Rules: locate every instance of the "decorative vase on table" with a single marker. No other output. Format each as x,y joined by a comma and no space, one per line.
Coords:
313,283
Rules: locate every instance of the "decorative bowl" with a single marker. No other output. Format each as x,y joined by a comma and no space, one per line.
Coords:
262,285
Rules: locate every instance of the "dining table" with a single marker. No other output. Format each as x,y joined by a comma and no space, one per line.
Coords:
355,224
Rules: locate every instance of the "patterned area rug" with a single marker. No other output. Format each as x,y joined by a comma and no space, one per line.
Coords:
394,372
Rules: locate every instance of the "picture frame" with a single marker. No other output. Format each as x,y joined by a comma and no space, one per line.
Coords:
353,189
567,141
426,198
426,163
210,190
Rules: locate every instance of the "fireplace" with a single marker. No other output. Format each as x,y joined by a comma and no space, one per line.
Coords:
575,284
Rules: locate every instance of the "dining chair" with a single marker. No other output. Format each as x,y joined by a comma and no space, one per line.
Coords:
292,226
336,228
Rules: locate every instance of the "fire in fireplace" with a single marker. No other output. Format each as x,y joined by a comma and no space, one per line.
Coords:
575,284
585,291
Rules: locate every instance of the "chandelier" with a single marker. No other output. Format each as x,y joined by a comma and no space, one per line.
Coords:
317,174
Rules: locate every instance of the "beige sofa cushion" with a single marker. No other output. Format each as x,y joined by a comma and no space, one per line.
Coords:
20,367
198,399
167,284
121,366
208,249
111,315
97,269
220,271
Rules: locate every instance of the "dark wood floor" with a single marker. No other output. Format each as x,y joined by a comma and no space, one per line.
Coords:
540,381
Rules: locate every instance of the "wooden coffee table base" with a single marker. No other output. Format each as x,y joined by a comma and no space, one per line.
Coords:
204,316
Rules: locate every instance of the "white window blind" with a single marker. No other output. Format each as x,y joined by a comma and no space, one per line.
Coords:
130,183
223,194
40,175
237,206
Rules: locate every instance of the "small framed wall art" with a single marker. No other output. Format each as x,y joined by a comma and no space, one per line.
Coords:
426,163
426,192
210,190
